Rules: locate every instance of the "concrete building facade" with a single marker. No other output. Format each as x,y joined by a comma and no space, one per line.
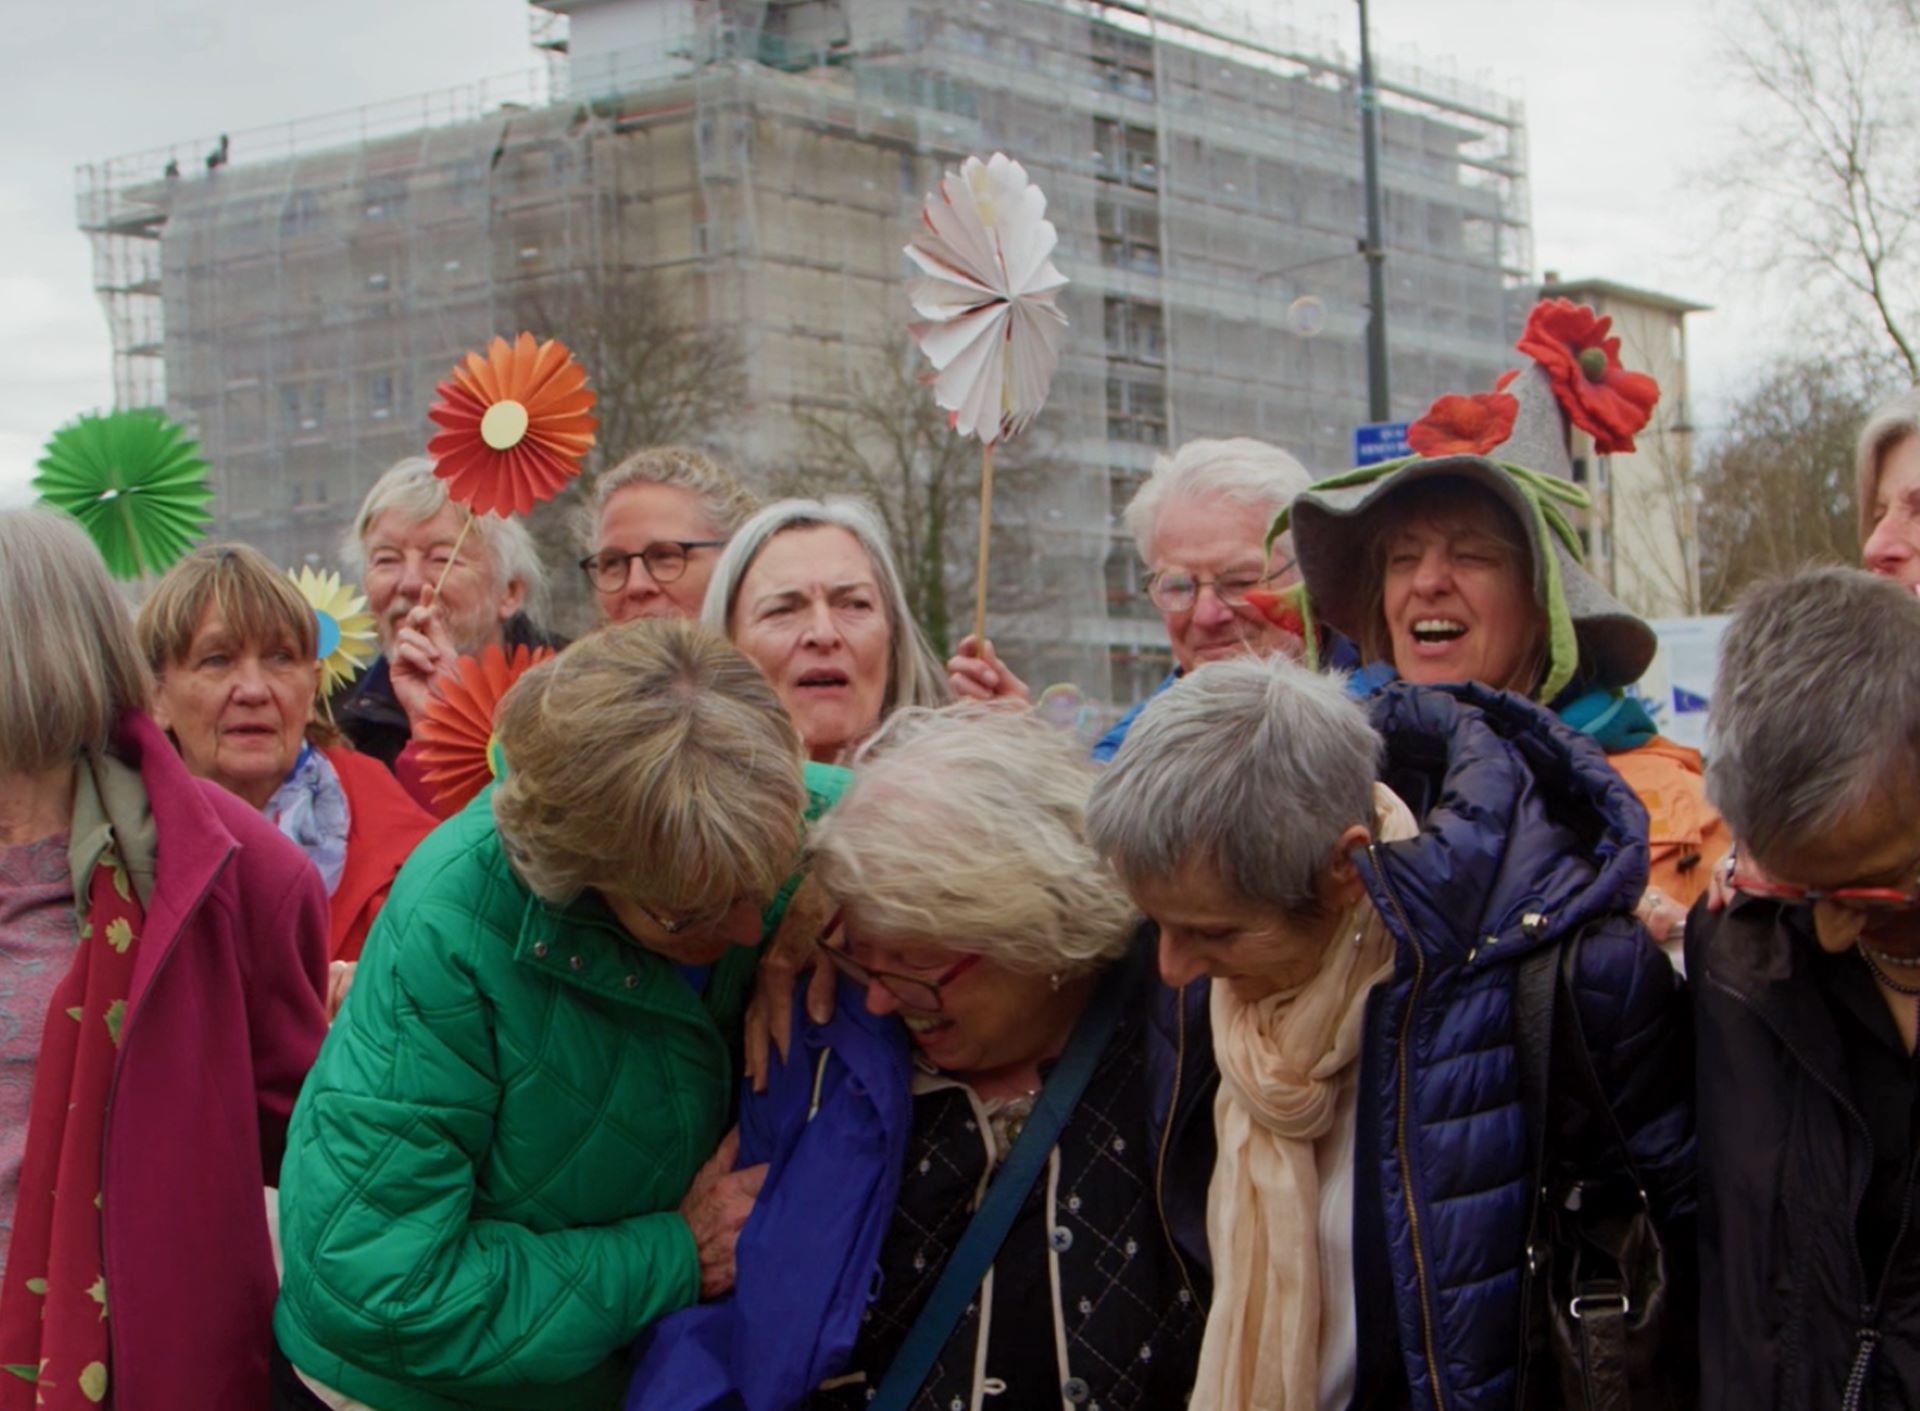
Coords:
763,164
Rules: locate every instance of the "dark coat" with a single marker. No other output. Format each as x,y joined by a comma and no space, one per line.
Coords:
372,719
1527,838
1788,1315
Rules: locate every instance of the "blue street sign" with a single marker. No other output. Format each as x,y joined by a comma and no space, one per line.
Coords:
1380,441
1686,702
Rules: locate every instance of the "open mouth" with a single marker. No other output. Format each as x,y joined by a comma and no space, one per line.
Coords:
926,1029
822,679
1435,631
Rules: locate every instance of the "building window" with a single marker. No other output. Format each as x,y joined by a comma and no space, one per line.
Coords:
1136,332
1124,152
1136,410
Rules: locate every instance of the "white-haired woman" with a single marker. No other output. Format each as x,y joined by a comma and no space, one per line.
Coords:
1887,488
160,944
987,965
491,1184
809,591
1369,1211
402,542
654,530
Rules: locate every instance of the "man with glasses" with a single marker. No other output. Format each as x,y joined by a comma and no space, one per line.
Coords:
1808,992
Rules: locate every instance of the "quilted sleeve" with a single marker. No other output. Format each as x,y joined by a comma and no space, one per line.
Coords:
1634,1013
387,1265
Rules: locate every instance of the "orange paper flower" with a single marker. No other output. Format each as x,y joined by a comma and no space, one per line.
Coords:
458,754
516,424
1465,426
1598,395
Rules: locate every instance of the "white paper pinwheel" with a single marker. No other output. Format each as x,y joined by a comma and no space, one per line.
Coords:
987,293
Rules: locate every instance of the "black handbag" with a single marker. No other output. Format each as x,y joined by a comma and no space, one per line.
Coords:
1609,1310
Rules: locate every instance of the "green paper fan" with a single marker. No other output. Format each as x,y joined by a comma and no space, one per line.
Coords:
136,483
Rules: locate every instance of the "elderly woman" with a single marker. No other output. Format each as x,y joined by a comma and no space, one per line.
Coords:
189,992
1887,481
493,1181
233,646
1808,1003
1456,568
808,590
654,531
987,968
1369,1210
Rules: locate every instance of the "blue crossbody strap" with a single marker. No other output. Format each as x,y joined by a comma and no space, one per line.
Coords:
987,1231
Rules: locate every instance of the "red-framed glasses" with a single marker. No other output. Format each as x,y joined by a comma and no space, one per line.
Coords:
920,993
1888,899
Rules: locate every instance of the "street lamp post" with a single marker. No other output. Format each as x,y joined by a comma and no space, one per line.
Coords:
1375,248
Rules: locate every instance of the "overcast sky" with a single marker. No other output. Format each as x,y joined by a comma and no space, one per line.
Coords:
1624,108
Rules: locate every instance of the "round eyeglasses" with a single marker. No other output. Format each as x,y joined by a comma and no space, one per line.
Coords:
918,993
1174,590
664,560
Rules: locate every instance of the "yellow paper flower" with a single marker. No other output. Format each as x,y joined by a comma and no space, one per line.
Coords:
346,639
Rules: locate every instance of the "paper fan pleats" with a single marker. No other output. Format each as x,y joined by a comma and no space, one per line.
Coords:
455,735
515,423
986,294
136,483
346,637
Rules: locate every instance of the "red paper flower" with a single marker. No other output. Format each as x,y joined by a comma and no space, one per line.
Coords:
456,732
1281,608
516,425
1465,426
1598,395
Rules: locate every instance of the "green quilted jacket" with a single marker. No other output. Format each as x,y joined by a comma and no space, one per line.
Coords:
478,1200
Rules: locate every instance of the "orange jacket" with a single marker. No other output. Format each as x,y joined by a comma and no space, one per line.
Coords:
1686,835
384,826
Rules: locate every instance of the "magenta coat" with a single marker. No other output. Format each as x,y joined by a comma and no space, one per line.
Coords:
223,1021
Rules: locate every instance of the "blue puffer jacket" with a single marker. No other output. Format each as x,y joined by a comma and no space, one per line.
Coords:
1527,838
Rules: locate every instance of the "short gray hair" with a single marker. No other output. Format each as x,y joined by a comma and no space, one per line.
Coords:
728,503
411,487
1816,705
69,667
1892,422
1240,470
1252,768
967,826
914,676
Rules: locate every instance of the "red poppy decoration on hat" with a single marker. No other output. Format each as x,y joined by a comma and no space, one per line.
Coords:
1598,395
1465,426
516,424
458,753
1281,608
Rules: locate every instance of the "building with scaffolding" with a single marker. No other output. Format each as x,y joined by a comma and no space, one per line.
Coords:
295,293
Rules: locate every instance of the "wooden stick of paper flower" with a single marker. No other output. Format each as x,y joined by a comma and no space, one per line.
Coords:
985,296
458,753
514,425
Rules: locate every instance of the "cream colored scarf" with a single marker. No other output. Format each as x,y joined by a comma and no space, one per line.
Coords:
1281,1061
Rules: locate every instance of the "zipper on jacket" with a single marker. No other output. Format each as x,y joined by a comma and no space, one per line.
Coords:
1166,1138
1400,1130
1867,1338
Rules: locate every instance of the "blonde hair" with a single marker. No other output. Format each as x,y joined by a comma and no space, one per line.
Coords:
728,504
1892,422
69,668
967,827
914,675
650,760
257,602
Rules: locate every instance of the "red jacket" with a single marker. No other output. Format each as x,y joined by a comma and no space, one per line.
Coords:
224,1019
384,826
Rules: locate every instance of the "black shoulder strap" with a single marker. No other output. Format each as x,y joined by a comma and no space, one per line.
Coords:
1533,1034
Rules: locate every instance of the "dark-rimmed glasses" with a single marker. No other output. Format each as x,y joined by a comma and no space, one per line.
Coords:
920,993
1174,590
664,560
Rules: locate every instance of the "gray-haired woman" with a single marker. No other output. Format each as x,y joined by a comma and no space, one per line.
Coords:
1887,486
809,591
654,532
984,937
1369,1211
